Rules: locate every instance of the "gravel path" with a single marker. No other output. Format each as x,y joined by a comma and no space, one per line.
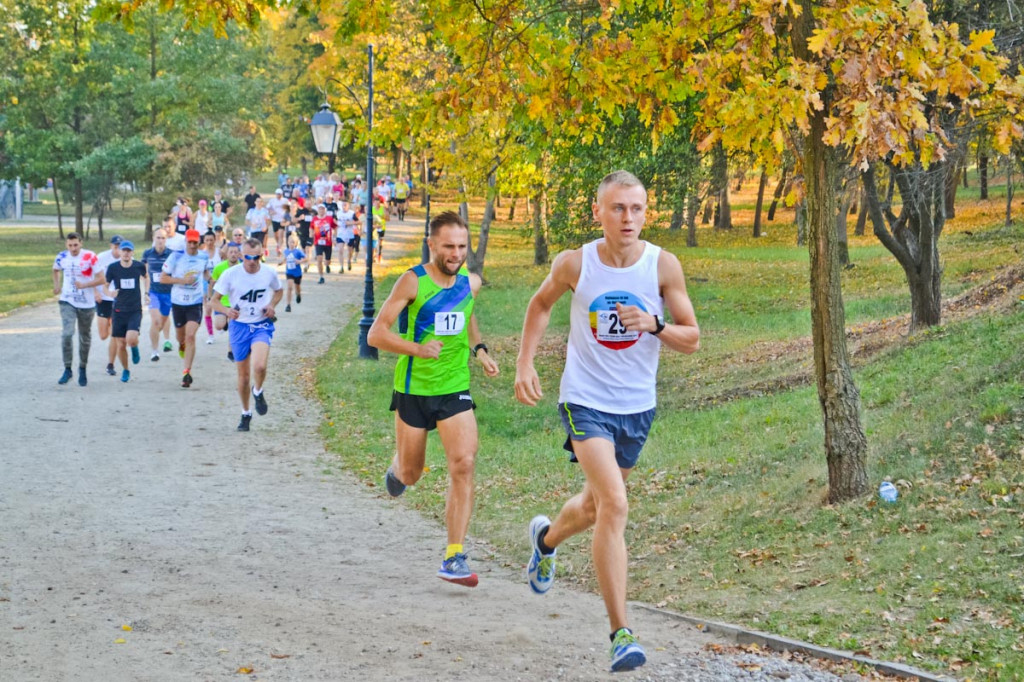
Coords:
142,538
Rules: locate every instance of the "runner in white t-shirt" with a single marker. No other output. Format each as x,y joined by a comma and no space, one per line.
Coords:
104,301
253,291
71,270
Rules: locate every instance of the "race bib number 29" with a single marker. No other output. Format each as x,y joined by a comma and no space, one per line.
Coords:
449,323
610,327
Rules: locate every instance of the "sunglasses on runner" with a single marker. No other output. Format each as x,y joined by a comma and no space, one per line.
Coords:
248,257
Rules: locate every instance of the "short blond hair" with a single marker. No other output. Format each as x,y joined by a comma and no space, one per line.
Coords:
621,178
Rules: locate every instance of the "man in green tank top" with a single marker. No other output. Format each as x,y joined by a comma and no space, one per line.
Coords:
434,305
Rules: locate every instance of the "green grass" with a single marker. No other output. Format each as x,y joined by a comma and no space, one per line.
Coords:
727,513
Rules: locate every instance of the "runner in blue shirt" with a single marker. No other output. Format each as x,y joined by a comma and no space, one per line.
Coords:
158,293
292,259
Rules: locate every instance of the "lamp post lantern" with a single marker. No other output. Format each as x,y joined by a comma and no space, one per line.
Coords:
365,349
326,128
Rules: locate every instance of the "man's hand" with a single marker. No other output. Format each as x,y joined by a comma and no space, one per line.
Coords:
489,365
528,390
430,350
232,314
636,319
270,312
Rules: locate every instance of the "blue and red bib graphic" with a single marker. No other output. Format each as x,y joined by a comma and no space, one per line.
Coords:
605,324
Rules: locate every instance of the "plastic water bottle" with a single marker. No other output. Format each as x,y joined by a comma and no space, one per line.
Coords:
888,492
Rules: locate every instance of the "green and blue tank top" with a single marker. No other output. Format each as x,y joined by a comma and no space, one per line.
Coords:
442,314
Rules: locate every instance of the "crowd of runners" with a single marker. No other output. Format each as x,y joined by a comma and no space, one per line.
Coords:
188,279
620,286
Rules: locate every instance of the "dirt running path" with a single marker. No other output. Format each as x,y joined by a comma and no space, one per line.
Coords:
139,505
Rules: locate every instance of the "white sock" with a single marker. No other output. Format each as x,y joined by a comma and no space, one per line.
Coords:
257,391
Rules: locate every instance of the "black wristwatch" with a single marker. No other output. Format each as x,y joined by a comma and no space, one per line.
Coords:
659,323
478,347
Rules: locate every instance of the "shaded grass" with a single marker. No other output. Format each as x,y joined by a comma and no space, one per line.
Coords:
727,519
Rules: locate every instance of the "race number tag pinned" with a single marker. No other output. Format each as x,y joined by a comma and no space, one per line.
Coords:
449,323
610,327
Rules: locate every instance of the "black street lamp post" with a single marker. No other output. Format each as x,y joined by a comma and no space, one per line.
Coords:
365,349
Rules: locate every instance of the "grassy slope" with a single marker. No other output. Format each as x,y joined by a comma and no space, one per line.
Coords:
726,518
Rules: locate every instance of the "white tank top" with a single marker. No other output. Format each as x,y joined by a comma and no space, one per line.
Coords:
608,368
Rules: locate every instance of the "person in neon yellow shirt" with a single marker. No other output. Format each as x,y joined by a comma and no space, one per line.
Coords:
436,302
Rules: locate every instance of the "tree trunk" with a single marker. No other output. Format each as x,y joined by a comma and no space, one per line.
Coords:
760,202
720,176
963,171
424,179
79,208
842,239
983,175
740,177
512,210
1009,191
304,162
475,260
862,214
540,228
709,206
778,193
676,222
60,218
952,183
692,206
845,441
912,237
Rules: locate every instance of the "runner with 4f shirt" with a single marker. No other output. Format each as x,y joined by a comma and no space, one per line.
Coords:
253,291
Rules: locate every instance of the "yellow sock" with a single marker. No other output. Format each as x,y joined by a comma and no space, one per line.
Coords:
452,551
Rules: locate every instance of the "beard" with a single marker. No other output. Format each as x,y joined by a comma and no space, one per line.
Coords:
441,265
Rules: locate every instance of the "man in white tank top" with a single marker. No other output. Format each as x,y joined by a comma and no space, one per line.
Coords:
621,285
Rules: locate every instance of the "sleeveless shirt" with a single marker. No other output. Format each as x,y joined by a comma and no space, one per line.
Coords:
442,314
608,367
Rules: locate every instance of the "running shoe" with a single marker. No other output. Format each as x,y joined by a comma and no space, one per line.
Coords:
456,570
298,298
186,380
288,308
110,370
231,356
135,355
328,268
167,346
391,482
627,654
82,381
65,377
244,424
321,281
155,357
181,350
261,403
541,569
125,376
209,341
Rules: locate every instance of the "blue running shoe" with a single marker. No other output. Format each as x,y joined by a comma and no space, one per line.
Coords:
65,377
627,654
111,371
82,379
391,482
541,569
456,570
135,355
125,376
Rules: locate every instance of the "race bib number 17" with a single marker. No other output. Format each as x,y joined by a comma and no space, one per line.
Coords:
449,323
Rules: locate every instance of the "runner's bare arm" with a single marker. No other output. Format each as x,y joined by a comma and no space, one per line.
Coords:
274,300
488,363
565,273
56,280
683,334
381,336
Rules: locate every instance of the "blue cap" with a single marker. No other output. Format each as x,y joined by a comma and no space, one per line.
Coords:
116,239
125,244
